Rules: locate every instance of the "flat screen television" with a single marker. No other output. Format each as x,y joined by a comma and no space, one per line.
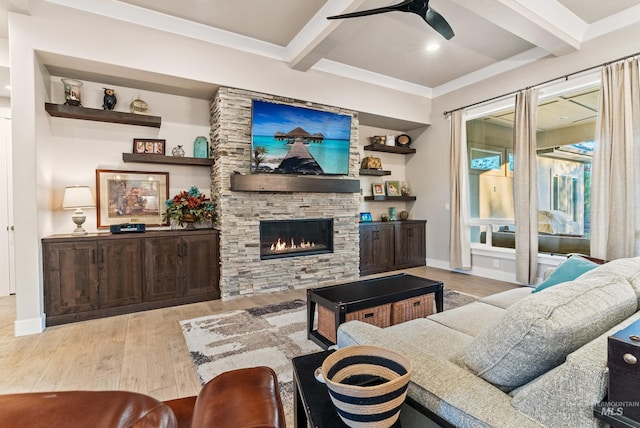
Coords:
296,140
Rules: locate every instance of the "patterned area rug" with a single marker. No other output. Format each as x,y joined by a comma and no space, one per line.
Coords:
262,336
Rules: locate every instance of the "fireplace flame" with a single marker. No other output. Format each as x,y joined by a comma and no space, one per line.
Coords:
281,245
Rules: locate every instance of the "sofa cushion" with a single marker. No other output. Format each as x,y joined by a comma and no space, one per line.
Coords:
507,298
569,270
628,269
469,319
536,334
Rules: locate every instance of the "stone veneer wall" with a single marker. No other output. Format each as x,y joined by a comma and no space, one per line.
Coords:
241,270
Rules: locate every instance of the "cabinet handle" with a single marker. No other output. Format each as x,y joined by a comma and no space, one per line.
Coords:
184,249
630,359
93,257
102,256
369,315
410,233
416,303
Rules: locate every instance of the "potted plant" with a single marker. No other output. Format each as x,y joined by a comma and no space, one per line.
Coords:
190,206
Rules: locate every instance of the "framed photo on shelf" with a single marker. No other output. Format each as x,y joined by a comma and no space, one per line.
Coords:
131,197
393,188
378,189
149,145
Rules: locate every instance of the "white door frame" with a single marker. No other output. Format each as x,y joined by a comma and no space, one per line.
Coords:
7,255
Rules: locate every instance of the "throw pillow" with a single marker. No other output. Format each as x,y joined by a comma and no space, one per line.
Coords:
569,270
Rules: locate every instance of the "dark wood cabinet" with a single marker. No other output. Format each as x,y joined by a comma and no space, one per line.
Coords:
119,272
410,244
387,246
376,247
100,275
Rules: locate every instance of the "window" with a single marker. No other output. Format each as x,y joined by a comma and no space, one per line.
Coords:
565,134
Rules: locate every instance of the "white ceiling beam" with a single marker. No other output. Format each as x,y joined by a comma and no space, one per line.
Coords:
543,23
314,41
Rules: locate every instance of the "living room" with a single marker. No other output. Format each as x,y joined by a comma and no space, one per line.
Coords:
50,154
420,116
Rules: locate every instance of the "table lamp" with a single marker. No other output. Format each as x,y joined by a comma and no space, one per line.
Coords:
78,197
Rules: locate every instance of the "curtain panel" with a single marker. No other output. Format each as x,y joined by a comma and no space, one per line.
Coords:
525,185
460,236
615,182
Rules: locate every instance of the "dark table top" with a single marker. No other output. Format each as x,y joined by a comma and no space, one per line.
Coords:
380,287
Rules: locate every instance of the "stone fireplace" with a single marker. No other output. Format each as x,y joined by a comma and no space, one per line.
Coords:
290,238
243,268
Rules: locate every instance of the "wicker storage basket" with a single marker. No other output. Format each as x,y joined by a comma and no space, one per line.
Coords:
367,385
378,315
408,309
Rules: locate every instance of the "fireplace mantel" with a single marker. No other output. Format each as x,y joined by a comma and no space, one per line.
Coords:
288,183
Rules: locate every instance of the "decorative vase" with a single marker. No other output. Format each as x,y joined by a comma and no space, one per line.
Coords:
178,151
392,213
72,95
189,219
201,147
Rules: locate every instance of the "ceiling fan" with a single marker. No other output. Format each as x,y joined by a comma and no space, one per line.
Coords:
419,7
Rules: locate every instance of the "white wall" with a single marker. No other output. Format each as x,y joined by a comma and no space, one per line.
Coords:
71,150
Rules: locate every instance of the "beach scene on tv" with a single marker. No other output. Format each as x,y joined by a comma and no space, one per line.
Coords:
296,140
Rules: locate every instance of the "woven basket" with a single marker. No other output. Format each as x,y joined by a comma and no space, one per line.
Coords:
374,406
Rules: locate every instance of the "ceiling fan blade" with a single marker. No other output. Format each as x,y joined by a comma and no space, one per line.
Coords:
363,13
438,23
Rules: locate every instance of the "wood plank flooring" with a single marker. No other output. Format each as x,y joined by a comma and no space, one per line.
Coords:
143,352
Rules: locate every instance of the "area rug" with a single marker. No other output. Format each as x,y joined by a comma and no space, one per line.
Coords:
262,336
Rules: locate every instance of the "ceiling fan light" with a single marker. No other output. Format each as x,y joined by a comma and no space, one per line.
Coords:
432,47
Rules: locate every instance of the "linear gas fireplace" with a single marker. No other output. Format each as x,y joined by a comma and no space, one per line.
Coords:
288,238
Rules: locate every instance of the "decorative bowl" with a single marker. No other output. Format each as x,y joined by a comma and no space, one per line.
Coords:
367,384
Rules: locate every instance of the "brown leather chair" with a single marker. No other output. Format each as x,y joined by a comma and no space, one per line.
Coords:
239,398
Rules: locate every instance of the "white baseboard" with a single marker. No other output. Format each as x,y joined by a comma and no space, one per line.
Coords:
29,326
482,272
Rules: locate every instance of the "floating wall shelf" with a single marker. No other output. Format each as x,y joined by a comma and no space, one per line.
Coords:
376,172
389,198
389,149
156,158
288,183
98,115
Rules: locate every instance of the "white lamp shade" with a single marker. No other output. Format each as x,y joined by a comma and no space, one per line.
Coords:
77,197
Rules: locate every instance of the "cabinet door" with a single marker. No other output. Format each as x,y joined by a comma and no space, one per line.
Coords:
120,272
200,264
162,268
376,248
70,277
410,244
383,245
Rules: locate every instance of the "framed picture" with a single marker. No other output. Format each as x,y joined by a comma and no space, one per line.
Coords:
393,188
365,217
131,197
142,145
378,189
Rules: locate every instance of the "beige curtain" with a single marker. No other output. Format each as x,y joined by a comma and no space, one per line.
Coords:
525,186
615,230
460,240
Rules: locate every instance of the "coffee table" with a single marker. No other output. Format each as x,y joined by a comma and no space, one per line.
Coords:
313,406
371,300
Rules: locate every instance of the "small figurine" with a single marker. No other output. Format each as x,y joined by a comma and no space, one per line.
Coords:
109,100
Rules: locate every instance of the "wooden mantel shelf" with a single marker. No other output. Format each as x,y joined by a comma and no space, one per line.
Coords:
292,183
98,115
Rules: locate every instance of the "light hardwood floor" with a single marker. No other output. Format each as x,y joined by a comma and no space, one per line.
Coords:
143,352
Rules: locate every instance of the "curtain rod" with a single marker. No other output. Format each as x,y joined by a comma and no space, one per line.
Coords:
565,77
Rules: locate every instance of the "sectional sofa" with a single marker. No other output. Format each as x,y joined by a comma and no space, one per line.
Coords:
516,358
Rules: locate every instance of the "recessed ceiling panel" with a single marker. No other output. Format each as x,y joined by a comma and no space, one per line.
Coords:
274,21
591,11
394,44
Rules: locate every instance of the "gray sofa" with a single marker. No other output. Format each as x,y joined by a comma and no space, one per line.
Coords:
516,359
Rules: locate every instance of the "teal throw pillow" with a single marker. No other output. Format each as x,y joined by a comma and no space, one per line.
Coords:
569,270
